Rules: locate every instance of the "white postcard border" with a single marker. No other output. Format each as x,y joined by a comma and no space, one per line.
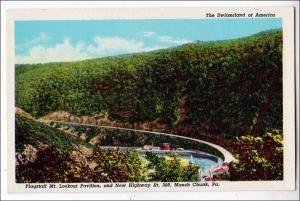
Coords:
286,13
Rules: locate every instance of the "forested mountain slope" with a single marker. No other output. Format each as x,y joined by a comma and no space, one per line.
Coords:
229,87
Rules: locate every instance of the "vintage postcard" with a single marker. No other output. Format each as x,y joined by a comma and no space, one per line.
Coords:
151,99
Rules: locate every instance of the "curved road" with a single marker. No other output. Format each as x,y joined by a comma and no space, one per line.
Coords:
228,157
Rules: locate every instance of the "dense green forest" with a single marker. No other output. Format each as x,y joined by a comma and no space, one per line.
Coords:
229,87
231,90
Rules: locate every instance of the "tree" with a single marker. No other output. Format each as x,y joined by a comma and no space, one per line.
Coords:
137,171
111,166
171,170
259,158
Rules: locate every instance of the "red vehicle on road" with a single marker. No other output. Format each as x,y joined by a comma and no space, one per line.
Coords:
165,146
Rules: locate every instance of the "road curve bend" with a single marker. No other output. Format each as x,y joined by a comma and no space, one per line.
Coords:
228,157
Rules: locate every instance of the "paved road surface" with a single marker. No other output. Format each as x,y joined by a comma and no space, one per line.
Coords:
228,157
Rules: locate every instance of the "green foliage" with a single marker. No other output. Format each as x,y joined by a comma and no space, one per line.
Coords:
89,131
155,160
125,138
171,170
28,131
111,166
223,176
259,158
54,166
137,171
231,87
116,166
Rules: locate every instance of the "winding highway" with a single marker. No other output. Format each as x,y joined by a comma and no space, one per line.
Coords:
228,157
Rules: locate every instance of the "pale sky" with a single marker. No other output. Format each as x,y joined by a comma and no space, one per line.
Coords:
72,40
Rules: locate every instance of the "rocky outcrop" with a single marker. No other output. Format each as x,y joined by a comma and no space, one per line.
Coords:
29,154
100,119
95,140
22,113
83,136
81,154
92,165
